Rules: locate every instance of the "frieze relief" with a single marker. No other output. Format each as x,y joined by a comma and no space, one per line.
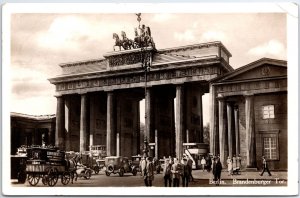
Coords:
127,59
252,86
152,76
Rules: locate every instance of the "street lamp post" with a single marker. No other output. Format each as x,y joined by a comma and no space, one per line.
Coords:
145,40
146,60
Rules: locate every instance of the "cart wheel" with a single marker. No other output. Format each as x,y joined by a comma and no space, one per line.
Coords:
45,179
134,171
96,169
33,179
121,173
107,173
45,176
88,174
65,178
52,177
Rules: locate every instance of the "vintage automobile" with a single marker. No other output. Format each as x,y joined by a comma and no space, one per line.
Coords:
120,165
98,151
136,160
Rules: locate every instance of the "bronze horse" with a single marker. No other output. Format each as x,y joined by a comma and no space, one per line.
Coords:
118,42
127,43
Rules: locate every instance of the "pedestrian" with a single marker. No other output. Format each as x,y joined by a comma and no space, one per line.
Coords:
203,163
265,166
143,164
156,165
208,163
233,164
217,169
185,173
175,173
171,160
229,166
167,173
190,165
149,172
212,161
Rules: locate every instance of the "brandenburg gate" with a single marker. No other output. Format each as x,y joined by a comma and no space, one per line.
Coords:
98,100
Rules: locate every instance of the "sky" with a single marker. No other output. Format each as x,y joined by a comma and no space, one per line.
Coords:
40,42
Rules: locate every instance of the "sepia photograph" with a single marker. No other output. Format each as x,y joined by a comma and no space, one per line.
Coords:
150,99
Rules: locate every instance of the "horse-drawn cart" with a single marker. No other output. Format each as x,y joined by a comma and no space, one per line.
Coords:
48,164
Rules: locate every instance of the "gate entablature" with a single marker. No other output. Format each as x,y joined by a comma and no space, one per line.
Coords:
122,69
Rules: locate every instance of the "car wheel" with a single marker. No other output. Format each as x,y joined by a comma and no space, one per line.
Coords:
110,168
121,173
107,173
88,174
134,171
96,169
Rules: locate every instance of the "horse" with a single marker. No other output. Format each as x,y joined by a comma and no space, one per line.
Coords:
126,43
118,42
71,166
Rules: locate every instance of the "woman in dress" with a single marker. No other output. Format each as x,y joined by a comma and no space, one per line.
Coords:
229,165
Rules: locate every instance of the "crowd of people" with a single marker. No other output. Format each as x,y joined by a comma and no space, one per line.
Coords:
176,172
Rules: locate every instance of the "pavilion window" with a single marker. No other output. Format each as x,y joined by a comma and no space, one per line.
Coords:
268,112
270,148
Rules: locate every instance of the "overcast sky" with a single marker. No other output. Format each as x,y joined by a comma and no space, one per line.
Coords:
40,42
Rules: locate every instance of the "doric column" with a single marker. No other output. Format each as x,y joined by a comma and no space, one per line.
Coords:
201,118
156,145
110,140
173,132
68,124
118,144
60,123
83,122
230,130
222,131
179,120
250,132
138,135
237,131
148,115
214,132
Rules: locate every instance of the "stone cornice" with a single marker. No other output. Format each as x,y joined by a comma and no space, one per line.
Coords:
195,46
137,70
249,80
177,75
82,62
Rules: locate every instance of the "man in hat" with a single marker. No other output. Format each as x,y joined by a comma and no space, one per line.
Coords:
149,173
175,173
265,166
185,173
